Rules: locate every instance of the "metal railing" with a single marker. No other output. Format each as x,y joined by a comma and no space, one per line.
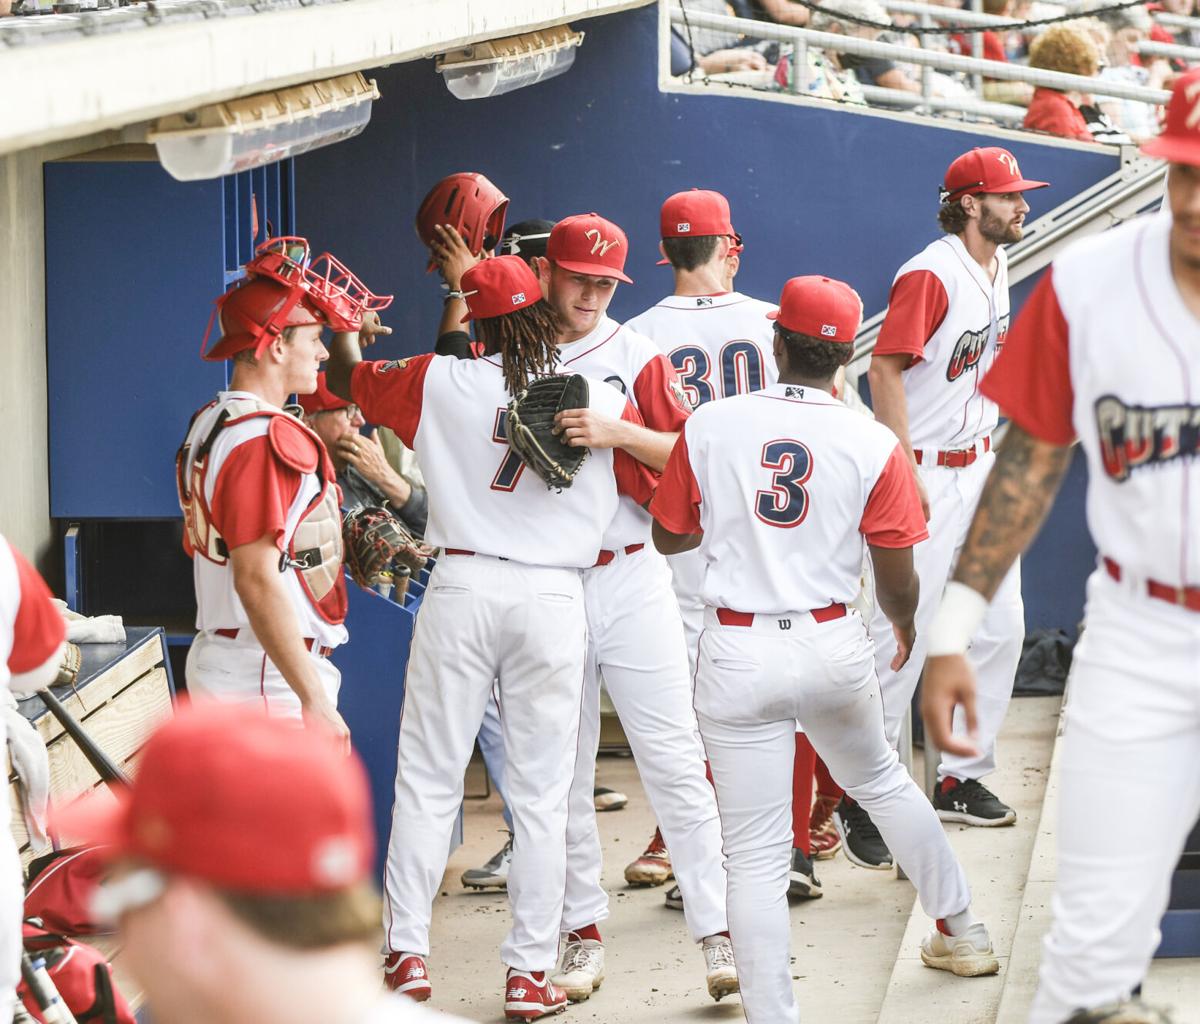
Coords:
1176,20
1005,113
1152,49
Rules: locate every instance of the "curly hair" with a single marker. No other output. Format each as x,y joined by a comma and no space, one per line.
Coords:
1067,48
813,357
526,340
952,217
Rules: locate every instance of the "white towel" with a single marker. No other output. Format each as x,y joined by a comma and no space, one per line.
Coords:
99,629
32,765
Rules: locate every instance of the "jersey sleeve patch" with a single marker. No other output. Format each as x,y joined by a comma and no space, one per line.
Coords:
294,445
917,306
893,517
1031,380
38,630
390,393
660,396
676,503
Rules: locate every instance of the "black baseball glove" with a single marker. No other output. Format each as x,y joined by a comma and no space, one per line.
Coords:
377,543
531,427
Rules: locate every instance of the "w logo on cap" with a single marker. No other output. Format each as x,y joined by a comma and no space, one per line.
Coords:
1010,162
599,245
1191,92
518,298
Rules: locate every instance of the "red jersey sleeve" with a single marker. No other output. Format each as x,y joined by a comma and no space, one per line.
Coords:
893,516
916,308
38,629
1031,379
676,503
634,478
253,493
390,393
660,396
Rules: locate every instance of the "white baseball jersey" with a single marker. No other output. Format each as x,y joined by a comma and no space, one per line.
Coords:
786,484
1105,350
950,320
720,345
633,365
251,488
452,413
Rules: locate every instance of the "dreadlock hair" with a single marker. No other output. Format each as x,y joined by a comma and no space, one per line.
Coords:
526,340
812,357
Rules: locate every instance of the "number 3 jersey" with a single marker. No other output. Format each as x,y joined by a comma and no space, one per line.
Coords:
482,497
787,484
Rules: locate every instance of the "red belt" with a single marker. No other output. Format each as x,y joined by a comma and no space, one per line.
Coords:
458,551
607,556
320,650
1187,597
728,617
957,458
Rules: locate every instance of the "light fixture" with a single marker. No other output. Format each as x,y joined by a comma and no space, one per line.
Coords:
224,138
497,66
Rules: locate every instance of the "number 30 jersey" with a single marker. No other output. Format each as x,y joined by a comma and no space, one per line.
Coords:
787,485
720,345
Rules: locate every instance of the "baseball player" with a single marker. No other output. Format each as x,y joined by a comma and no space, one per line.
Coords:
1105,352
31,648
946,320
244,904
505,602
635,635
778,490
719,342
259,497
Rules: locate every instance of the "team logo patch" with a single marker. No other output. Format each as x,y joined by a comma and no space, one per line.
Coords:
1010,162
679,395
518,298
829,330
683,227
1135,436
704,300
392,365
792,392
600,245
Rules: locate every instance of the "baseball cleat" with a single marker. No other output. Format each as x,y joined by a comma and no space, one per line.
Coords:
971,802
721,970
803,883
674,898
528,996
824,840
1127,1011
861,841
493,874
608,799
653,867
580,968
968,955
407,974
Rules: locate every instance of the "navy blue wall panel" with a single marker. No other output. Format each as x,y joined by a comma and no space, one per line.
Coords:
133,262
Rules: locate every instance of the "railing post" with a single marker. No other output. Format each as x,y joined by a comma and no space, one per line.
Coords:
926,70
977,51
799,65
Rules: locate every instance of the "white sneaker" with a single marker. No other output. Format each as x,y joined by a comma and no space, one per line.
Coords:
968,955
722,971
580,969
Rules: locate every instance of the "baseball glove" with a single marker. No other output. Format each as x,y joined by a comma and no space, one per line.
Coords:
378,545
72,661
531,427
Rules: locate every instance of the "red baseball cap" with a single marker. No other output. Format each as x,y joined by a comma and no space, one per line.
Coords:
695,212
242,801
588,244
321,400
819,307
988,169
498,286
1179,142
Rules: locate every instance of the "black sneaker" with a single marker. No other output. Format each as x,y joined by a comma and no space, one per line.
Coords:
803,883
861,840
971,802
674,898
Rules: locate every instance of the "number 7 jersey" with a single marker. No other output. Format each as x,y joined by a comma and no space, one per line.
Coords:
787,484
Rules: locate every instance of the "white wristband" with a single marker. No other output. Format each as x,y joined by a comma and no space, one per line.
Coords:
958,617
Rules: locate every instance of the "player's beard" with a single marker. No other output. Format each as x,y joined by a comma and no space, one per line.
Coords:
998,230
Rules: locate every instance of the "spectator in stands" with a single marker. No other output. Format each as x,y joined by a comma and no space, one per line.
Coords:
825,80
715,51
1128,27
1170,34
835,17
994,48
783,12
1069,49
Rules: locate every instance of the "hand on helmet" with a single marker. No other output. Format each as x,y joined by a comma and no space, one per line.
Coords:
452,256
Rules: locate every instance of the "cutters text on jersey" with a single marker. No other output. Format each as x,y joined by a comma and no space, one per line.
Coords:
969,349
1135,436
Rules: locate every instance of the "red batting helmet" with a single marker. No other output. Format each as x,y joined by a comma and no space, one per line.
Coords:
469,202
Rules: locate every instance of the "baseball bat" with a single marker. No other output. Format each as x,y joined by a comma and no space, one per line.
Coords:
105,766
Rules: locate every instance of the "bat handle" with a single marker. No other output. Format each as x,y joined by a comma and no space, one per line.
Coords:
50,1003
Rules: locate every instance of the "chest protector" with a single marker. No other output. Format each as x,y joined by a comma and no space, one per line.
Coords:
313,535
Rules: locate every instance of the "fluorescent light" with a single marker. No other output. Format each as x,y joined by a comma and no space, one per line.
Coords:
497,66
225,138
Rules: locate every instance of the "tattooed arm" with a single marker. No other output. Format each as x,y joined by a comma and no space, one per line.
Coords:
1014,504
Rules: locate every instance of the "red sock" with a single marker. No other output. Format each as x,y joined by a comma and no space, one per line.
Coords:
802,792
590,932
825,784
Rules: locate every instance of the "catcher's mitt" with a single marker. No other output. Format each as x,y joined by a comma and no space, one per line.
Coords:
531,427
377,545
72,661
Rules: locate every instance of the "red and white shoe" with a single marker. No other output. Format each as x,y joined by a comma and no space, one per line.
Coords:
529,995
407,974
653,867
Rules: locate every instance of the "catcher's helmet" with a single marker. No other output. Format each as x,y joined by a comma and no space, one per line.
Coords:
469,202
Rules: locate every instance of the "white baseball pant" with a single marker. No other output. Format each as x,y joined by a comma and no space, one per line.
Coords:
491,746
237,670
752,684
687,574
635,639
1131,750
995,648
485,619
